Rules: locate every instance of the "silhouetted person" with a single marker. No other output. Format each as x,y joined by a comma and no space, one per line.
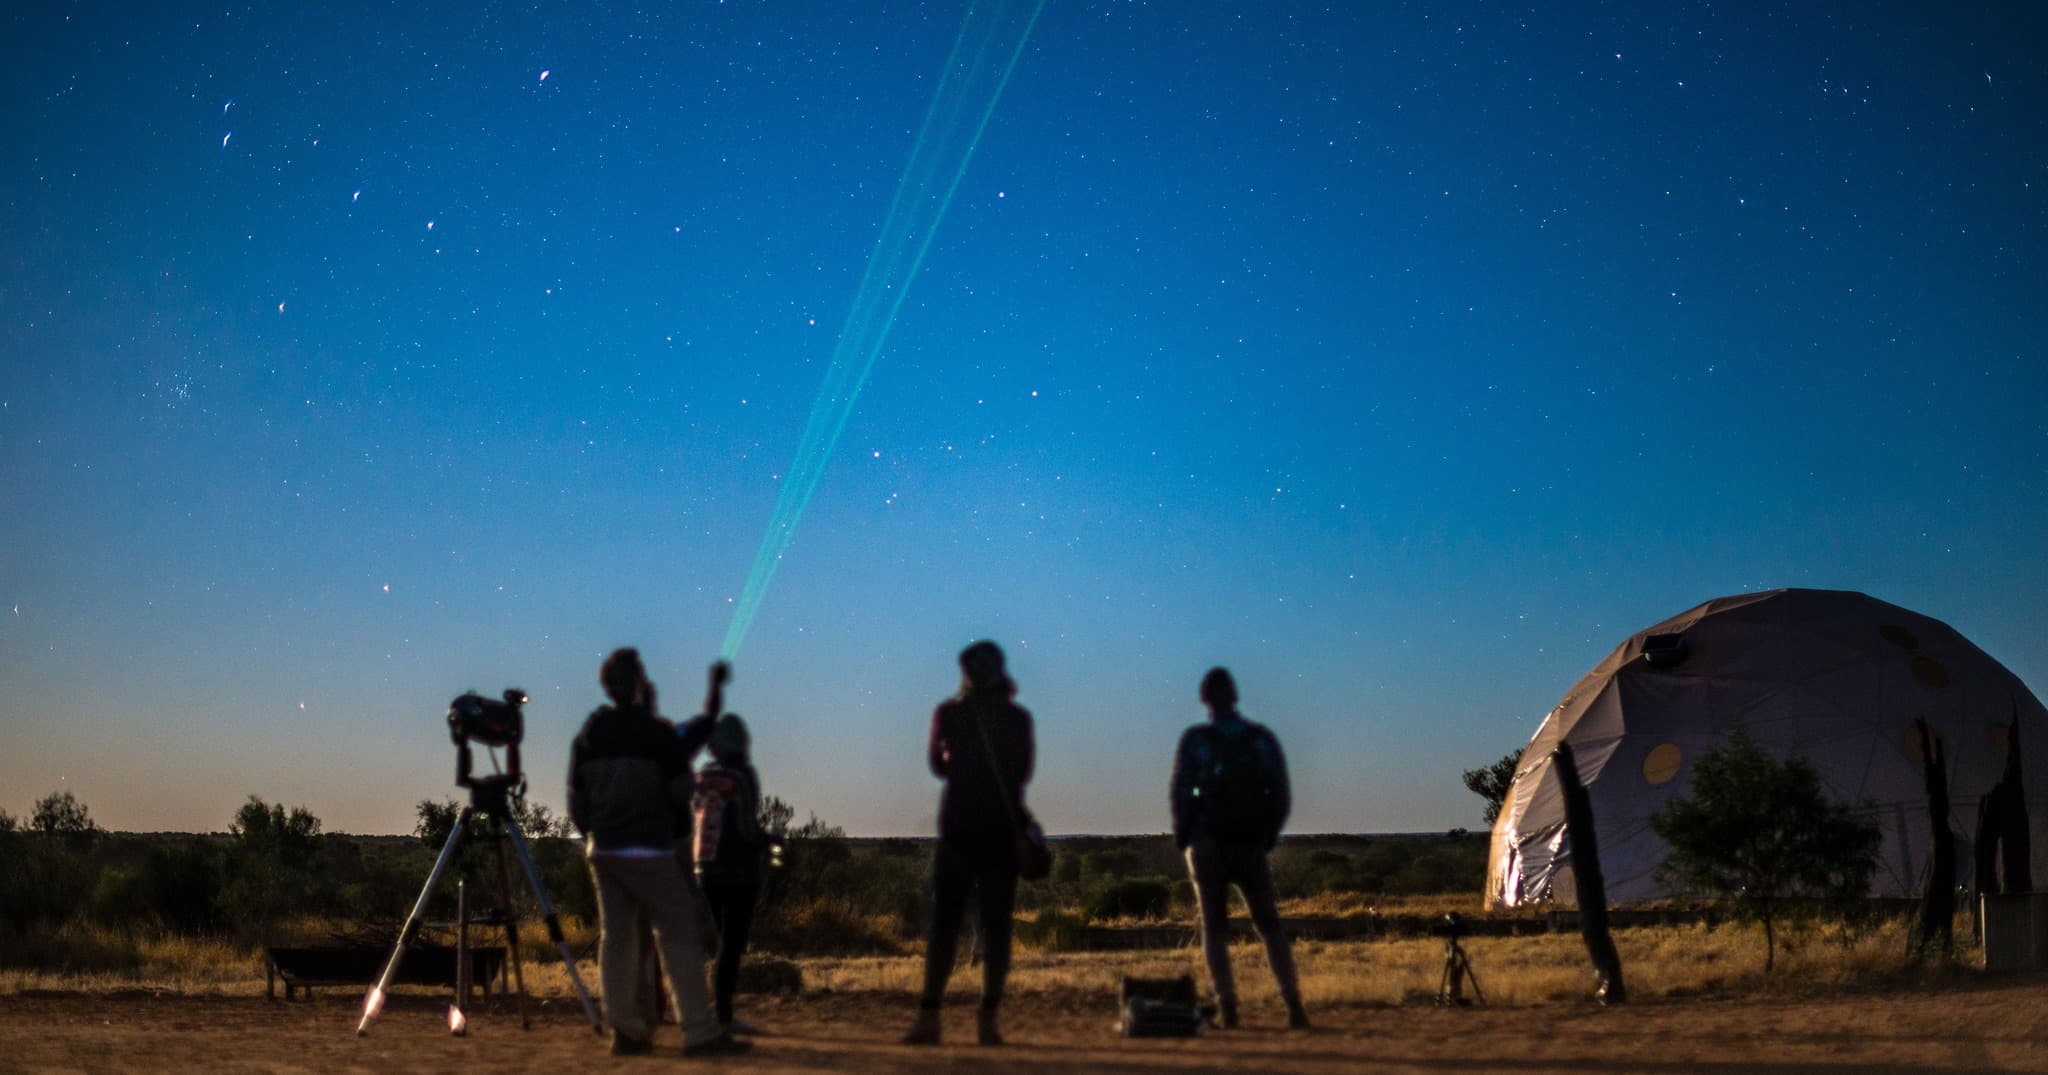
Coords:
1230,800
728,848
629,779
981,746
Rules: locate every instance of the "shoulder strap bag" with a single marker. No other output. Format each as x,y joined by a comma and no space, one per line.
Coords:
1034,859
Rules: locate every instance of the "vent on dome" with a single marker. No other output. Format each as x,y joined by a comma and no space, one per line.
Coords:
1899,636
1665,651
1930,671
1661,763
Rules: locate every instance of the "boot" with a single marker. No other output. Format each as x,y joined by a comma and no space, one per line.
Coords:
985,1027
924,1030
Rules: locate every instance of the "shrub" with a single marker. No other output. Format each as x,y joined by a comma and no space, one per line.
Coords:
1137,897
1114,863
181,886
823,927
117,895
1051,931
42,882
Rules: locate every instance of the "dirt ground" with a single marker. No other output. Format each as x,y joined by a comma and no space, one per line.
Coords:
1989,1025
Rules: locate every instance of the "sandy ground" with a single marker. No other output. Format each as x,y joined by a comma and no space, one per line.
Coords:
1991,1025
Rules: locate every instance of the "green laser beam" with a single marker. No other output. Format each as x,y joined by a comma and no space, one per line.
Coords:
907,231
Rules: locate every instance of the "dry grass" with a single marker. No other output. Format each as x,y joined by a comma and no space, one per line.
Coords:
1352,905
80,956
1664,961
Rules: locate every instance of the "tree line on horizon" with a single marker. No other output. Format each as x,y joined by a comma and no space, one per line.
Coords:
1757,834
275,871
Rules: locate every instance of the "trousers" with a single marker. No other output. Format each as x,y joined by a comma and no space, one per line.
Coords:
957,873
1214,867
635,893
732,914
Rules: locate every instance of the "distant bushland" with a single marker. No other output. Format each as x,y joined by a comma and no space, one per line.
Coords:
275,875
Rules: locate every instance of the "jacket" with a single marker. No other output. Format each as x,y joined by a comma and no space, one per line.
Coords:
976,808
629,777
1192,764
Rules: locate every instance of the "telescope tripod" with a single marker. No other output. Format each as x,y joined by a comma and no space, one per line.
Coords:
1457,971
487,796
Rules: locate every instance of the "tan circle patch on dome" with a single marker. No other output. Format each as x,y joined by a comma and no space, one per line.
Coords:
1899,636
1661,763
1930,671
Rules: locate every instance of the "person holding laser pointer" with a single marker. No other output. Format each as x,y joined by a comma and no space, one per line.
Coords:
629,781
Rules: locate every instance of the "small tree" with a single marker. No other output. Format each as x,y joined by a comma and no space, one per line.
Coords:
1761,833
813,856
540,823
270,863
60,814
1492,782
436,821
776,816
267,830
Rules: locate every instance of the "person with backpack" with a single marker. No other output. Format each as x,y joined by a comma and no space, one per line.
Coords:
1230,800
981,745
629,778
728,846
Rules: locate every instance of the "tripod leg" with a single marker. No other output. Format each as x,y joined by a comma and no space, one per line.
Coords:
1478,994
554,923
374,1002
511,917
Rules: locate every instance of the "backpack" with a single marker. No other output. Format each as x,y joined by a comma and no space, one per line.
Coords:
1161,1008
723,832
1242,795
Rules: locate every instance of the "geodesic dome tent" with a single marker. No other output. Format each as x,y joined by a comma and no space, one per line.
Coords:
1834,676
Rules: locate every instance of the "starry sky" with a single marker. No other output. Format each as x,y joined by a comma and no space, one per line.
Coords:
1402,358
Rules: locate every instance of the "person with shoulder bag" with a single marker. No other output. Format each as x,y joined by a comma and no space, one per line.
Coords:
981,746
1230,800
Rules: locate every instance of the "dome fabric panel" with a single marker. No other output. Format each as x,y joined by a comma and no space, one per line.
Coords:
1834,676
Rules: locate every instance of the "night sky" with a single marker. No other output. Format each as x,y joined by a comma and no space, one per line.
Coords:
1404,360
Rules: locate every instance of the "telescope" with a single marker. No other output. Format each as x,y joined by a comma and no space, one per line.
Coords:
493,722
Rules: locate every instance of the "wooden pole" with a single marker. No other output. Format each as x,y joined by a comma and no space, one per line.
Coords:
462,968
1938,902
1591,886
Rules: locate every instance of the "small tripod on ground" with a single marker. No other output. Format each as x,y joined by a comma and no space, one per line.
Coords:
494,724
1457,965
